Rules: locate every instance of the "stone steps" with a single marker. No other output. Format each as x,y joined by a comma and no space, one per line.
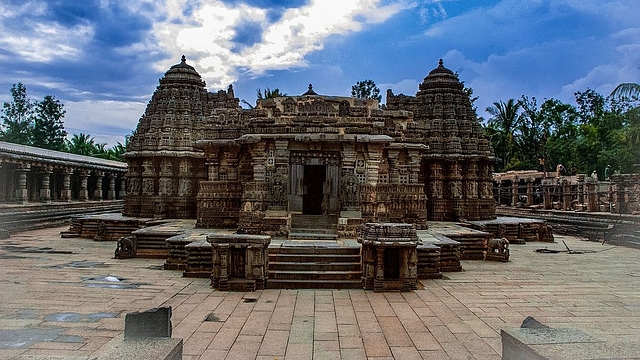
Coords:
315,265
313,221
313,227
313,234
321,266
314,284
314,275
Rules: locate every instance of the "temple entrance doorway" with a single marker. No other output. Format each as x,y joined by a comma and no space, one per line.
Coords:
313,181
392,263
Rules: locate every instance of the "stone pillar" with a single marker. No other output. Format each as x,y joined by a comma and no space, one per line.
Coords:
65,193
83,194
566,195
97,194
373,163
3,183
530,191
22,194
546,188
259,162
592,196
392,158
514,191
111,195
414,165
379,263
45,188
123,187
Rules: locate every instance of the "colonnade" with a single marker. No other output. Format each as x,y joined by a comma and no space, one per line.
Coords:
29,174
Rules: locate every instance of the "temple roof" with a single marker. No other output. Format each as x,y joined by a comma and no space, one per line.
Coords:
441,78
182,73
310,91
58,157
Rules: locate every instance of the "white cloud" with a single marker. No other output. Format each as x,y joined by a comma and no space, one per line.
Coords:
43,41
106,121
207,38
432,11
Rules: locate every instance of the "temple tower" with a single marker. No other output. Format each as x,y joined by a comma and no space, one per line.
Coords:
457,166
164,167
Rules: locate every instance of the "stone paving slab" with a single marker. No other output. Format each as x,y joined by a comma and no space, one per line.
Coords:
68,298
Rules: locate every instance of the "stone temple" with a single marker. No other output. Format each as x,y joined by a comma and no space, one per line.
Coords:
347,161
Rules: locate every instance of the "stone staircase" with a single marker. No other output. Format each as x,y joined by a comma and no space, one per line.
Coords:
313,227
314,265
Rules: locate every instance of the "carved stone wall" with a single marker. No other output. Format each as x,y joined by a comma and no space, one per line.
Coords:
198,154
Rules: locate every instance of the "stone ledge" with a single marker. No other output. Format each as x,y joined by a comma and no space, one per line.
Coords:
143,349
560,344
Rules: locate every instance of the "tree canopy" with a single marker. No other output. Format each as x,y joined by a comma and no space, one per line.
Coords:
17,117
594,133
269,94
366,89
40,124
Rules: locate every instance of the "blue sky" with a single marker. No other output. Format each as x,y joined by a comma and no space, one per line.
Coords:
103,58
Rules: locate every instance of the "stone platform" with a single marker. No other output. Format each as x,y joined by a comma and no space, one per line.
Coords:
67,298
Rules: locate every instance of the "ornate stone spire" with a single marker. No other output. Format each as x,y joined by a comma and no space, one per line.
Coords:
310,91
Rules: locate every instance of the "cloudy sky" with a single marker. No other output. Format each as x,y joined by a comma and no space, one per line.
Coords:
103,58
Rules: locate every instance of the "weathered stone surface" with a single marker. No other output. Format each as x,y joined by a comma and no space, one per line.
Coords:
151,323
144,349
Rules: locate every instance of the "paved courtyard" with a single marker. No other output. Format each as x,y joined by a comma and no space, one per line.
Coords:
62,297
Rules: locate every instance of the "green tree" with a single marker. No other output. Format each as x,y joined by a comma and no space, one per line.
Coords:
366,89
270,94
528,136
82,144
17,117
501,127
626,90
560,131
48,130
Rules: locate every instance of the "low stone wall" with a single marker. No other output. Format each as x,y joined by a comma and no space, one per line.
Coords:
19,218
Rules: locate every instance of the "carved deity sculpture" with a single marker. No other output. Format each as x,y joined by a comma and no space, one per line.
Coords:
350,191
278,189
472,189
147,187
344,108
455,188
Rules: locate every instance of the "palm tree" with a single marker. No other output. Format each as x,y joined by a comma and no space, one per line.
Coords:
82,144
626,90
630,91
503,123
269,94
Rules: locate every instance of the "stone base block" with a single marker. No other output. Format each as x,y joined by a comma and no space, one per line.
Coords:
143,349
560,344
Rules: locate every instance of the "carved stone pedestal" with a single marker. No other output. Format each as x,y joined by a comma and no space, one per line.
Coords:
240,261
126,248
497,250
389,257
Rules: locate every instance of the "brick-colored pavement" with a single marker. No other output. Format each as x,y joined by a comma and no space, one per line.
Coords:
58,297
